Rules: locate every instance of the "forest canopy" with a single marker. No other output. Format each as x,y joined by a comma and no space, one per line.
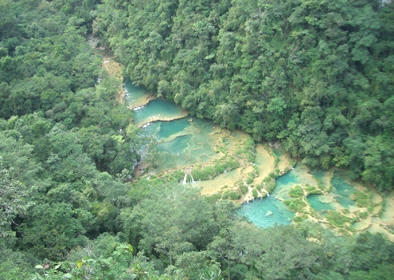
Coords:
316,76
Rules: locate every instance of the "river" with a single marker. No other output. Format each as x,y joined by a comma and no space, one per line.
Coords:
269,188
190,144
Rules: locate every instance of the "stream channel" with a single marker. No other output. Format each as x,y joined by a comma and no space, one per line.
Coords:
184,142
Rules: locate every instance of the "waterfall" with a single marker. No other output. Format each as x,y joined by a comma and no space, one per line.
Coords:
188,172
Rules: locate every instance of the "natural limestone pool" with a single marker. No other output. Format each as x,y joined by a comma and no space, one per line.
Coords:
134,95
185,143
315,200
266,212
181,142
157,110
256,211
342,190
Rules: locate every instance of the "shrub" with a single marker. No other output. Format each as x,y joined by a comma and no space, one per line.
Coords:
299,219
243,189
313,190
296,205
250,178
296,192
337,219
270,185
226,195
235,195
276,161
363,215
208,172
361,199
197,174
219,169
177,176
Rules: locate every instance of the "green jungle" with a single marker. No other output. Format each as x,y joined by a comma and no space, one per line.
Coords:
209,140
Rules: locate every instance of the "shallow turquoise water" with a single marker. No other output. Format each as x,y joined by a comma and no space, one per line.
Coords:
133,93
182,142
319,174
191,143
152,129
342,191
317,204
176,147
289,178
169,128
285,182
156,108
258,212
162,130
296,176
187,141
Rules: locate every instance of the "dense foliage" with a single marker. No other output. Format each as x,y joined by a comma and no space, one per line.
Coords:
315,75
67,154
66,148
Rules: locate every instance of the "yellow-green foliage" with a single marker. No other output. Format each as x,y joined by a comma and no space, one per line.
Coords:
296,192
361,199
312,190
250,178
363,215
269,183
209,172
177,175
299,219
382,208
248,150
233,195
276,162
296,205
243,189
256,170
337,219
255,194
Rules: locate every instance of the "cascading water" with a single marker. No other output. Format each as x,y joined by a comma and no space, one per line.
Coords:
183,141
